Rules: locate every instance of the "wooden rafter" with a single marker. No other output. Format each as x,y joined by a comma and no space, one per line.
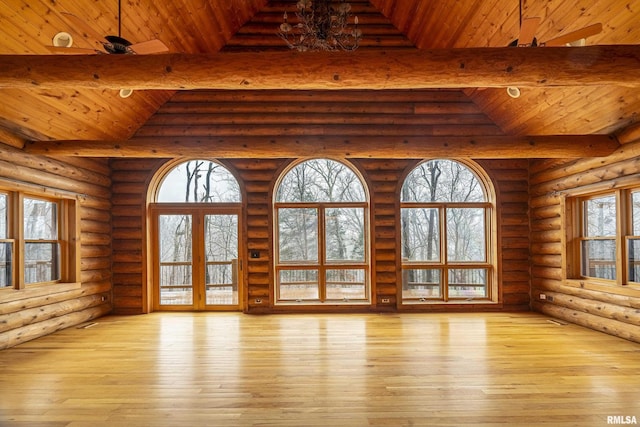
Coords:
443,68
565,146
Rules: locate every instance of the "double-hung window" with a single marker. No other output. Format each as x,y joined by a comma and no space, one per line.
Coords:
633,240
603,237
6,245
38,241
41,240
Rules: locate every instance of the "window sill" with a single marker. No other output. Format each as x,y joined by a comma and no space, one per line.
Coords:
10,294
450,302
632,290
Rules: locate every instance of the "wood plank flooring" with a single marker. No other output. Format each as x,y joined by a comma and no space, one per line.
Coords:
232,369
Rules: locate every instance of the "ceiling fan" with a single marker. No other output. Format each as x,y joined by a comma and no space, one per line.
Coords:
109,44
527,38
529,27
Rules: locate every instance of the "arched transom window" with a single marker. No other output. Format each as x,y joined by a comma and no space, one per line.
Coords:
446,234
321,223
199,181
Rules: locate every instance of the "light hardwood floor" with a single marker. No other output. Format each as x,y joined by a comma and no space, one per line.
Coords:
232,369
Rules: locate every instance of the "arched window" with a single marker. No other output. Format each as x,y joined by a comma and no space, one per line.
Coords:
321,224
195,230
446,222
198,181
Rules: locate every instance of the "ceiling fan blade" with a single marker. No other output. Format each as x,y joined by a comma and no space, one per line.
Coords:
582,33
81,26
528,31
149,47
72,50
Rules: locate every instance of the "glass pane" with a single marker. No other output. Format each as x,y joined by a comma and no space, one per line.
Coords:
298,234
467,283
320,180
298,285
201,181
599,258
3,216
466,234
420,234
40,219
421,283
176,284
41,262
634,260
600,216
6,253
221,249
635,201
175,236
346,284
344,228
175,242
442,181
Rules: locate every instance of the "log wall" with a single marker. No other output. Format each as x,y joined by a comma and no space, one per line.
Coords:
607,308
257,176
30,313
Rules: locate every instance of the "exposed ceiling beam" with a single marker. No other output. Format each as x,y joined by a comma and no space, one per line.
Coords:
494,147
629,134
10,138
617,65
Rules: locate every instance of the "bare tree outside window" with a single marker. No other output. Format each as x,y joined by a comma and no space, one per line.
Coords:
634,241
42,246
443,224
198,182
6,245
321,211
599,240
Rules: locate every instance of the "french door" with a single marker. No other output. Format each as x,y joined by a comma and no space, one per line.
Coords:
196,263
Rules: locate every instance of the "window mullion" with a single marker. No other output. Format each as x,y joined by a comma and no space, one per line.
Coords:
622,220
444,261
18,232
322,257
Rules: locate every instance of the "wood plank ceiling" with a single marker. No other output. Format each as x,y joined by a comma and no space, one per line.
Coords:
209,26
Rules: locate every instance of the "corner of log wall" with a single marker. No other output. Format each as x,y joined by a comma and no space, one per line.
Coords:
614,311
24,319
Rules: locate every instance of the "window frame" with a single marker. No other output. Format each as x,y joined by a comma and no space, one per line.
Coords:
443,265
198,210
321,265
68,240
575,222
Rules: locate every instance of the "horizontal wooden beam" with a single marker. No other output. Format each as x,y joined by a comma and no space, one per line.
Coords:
488,147
617,65
629,134
9,138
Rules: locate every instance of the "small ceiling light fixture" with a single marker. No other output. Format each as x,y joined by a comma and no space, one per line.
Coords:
62,39
125,93
321,26
513,92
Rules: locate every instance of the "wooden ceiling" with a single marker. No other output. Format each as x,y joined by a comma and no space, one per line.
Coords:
211,26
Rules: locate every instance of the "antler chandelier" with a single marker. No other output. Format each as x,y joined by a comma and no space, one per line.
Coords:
321,26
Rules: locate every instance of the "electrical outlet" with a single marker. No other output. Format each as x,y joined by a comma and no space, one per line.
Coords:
385,300
543,296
